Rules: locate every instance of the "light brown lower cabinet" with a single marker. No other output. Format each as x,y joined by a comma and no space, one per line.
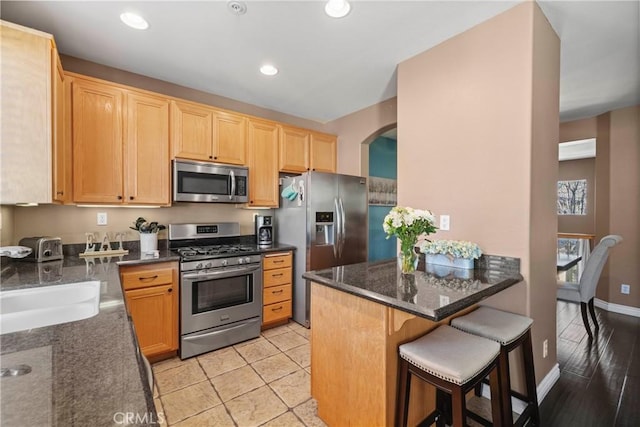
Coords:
277,289
151,294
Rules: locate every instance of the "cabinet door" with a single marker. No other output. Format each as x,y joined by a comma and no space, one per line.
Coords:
154,313
230,138
263,164
61,134
192,134
25,103
323,152
147,162
97,142
294,149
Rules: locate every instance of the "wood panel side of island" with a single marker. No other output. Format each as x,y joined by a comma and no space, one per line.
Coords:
354,359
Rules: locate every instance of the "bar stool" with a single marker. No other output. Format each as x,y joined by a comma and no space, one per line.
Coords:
454,362
511,331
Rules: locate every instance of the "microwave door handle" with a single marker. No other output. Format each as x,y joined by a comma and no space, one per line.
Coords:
233,185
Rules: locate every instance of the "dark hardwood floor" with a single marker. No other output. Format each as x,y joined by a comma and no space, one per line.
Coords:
599,381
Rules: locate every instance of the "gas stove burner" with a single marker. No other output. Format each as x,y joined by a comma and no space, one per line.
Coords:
201,252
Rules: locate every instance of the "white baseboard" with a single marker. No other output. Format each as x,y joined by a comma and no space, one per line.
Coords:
617,308
542,390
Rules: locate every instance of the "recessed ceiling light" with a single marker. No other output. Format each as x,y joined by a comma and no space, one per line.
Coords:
134,21
337,8
268,70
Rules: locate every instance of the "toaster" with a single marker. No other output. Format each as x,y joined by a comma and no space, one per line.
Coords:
43,248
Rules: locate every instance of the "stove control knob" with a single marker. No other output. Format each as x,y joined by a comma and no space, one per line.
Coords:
247,259
208,265
199,265
240,260
223,262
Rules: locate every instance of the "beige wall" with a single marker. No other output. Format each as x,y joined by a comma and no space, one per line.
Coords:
624,215
357,128
579,169
6,225
71,222
617,174
477,144
578,129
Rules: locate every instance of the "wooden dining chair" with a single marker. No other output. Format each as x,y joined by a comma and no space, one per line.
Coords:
584,292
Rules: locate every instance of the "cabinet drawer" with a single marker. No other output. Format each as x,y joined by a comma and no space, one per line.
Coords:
277,277
276,294
276,261
277,311
144,278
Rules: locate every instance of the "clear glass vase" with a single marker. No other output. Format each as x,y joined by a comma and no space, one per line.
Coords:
407,261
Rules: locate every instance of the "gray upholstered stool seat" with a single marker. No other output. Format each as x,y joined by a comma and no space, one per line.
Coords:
511,331
449,354
454,362
493,324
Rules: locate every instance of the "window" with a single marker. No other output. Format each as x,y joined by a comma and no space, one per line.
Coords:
572,197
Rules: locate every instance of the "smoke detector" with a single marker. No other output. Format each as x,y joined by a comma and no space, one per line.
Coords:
237,7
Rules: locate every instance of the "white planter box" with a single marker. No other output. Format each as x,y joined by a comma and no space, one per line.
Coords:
448,262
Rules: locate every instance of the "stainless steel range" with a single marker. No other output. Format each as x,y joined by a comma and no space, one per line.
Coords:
220,286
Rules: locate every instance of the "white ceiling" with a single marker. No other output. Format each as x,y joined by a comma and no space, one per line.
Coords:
331,67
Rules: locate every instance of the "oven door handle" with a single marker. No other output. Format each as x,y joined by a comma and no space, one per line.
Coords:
222,331
220,274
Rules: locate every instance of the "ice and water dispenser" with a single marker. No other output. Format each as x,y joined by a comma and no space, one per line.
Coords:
324,228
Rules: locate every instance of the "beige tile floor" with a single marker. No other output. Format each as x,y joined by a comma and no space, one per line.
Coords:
262,382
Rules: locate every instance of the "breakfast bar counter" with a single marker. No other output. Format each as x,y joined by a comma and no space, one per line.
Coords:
361,313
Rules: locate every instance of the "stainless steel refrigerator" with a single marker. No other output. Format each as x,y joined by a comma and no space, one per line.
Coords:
325,217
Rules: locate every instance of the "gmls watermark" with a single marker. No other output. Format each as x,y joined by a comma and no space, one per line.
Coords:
133,418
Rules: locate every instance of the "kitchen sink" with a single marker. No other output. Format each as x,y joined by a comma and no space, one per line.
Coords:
24,309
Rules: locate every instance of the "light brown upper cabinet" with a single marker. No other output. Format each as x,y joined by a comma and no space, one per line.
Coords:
323,152
27,107
302,150
62,184
263,163
120,145
147,164
204,133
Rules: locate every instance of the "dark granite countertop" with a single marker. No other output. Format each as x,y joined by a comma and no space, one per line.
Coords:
87,372
433,294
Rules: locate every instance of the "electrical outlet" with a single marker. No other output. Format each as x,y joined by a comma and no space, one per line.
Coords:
545,348
625,289
102,218
444,222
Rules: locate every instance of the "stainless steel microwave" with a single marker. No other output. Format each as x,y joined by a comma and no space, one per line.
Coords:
209,182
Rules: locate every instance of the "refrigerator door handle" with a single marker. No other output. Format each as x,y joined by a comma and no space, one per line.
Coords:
342,227
336,229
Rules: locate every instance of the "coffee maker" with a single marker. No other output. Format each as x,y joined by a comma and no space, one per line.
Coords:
264,230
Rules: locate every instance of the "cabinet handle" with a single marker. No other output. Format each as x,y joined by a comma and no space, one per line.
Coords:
215,157
278,261
170,290
211,157
60,193
119,197
277,309
277,292
276,275
131,197
148,277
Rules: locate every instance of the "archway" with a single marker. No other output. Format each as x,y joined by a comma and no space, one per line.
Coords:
379,160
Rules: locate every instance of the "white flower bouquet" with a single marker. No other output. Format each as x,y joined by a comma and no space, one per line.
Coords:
451,248
408,224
